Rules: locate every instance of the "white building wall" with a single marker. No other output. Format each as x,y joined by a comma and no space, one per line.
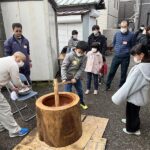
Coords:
102,20
64,33
113,10
65,26
92,21
38,30
109,16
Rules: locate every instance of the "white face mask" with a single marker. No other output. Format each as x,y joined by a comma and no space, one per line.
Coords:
78,54
142,28
75,36
123,30
94,50
95,32
136,60
20,64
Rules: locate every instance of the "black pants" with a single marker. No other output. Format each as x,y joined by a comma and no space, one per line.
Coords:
89,79
132,117
124,62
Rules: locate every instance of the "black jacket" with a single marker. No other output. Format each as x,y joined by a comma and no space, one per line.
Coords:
148,42
142,38
101,39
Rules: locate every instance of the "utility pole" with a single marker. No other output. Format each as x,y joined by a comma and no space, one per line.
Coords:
137,14
2,33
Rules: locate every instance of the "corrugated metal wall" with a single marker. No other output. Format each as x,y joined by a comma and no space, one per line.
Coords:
39,27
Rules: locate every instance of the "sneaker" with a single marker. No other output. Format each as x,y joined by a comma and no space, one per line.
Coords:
123,121
84,106
87,92
22,132
138,132
95,92
2,129
100,83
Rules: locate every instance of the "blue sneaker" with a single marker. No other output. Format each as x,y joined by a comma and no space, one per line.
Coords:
22,132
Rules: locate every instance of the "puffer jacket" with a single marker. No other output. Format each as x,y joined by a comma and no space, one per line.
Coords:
72,66
136,89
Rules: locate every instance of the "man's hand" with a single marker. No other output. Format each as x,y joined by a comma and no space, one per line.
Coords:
15,89
24,86
73,80
30,65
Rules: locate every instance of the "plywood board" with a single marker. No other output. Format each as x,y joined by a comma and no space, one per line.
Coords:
91,137
96,145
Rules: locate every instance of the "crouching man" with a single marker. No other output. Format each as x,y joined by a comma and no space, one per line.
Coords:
9,71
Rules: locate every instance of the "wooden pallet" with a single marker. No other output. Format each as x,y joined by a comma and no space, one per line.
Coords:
91,139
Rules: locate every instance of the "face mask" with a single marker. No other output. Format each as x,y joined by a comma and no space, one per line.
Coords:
95,32
78,54
94,50
136,60
74,36
123,30
142,28
20,64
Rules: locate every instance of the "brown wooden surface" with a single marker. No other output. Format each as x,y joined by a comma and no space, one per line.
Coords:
96,145
59,127
32,142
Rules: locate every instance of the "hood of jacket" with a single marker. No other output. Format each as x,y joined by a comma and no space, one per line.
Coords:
145,69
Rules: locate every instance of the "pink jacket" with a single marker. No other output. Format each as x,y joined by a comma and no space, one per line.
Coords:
94,62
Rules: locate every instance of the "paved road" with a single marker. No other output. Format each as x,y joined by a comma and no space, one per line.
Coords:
100,106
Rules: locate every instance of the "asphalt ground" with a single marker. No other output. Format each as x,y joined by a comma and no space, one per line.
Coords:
100,106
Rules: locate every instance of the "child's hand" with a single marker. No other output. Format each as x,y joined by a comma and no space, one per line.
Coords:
100,74
63,81
73,80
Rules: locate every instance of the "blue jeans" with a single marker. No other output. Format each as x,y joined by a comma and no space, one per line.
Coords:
89,79
78,87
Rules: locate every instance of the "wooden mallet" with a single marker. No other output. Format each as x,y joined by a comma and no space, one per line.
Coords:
56,90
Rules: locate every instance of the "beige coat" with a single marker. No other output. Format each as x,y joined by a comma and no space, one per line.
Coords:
9,71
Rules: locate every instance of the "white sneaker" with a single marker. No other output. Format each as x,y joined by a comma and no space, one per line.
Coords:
87,92
124,121
138,132
95,92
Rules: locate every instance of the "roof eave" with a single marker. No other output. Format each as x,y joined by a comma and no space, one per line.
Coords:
101,4
54,4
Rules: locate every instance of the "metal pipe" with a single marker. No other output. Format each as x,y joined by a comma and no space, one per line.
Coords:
140,11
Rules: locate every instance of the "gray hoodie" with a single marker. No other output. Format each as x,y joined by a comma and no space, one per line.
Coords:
136,89
72,66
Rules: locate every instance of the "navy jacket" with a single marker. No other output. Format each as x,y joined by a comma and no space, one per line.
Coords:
123,43
101,39
12,45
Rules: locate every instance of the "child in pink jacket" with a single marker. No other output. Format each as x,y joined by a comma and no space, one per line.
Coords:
93,66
